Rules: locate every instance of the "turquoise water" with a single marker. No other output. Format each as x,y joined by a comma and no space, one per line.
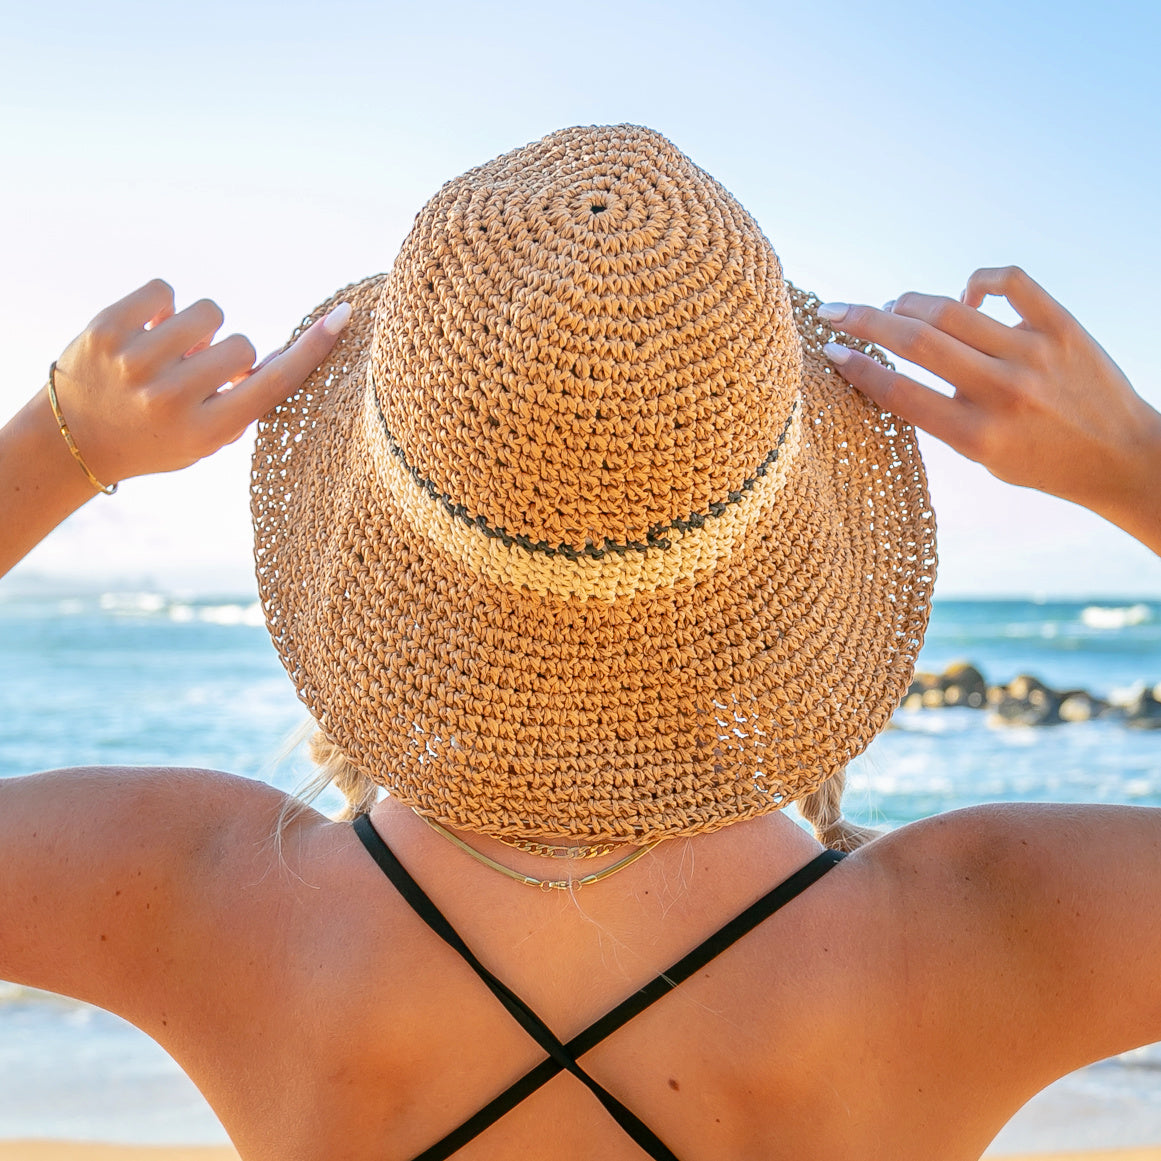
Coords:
156,679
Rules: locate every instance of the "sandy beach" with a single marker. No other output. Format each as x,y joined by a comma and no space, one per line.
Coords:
74,1151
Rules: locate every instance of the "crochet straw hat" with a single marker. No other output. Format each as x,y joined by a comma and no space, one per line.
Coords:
576,532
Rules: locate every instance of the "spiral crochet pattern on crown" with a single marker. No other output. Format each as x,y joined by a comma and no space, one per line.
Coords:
576,533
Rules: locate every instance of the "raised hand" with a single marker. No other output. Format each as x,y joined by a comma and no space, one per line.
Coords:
146,390
1039,404
142,389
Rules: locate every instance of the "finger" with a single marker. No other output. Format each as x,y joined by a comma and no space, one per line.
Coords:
947,418
136,310
267,358
278,377
1028,298
961,322
228,360
160,316
911,339
186,332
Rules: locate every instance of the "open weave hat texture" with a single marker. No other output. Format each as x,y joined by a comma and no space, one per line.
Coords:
576,532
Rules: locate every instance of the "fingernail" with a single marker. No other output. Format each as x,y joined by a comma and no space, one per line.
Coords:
889,305
832,311
337,319
836,352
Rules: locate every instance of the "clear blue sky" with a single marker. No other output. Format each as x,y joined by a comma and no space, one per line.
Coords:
264,154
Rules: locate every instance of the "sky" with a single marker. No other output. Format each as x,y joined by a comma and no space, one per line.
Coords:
264,154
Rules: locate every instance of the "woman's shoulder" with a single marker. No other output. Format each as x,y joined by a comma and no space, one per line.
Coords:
994,843
999,858
124,860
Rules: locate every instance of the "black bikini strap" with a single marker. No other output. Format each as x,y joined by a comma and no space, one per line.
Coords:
659,986
414,895
711,947
563,1056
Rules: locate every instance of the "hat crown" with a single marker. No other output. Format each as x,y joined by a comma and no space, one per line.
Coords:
585,341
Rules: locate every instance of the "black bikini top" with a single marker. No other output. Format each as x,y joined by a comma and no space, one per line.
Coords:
563,1057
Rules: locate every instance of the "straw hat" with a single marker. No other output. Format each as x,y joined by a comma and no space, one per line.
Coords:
576,532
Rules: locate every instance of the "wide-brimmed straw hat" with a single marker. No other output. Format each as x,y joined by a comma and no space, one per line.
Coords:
576,532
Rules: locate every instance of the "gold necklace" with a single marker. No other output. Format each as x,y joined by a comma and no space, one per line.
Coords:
543,884
555,851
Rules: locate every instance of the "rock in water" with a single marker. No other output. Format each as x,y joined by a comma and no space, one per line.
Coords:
963,684
1143,710
922,685
1026,701
1078,705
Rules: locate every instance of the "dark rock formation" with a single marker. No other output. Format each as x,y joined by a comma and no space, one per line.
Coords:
1078,705
1026,701
1143,710
964,684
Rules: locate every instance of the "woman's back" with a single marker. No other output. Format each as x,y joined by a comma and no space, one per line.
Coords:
322,1018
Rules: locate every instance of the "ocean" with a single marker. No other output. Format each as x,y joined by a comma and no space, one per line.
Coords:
158,678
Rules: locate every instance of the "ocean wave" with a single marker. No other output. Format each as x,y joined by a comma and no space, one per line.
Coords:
1116,616
132,604
249,615
178,610
1030,630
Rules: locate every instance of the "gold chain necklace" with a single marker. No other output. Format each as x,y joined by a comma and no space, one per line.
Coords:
543,884
555,851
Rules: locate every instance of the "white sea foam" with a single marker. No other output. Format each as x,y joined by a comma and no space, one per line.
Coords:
249,615
234,615
1116,616
132,604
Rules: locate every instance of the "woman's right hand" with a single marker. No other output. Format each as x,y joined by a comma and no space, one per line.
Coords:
144,389
1039,404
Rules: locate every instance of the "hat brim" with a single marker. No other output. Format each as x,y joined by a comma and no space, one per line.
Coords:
739,687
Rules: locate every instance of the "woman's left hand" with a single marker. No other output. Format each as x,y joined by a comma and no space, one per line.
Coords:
1039,404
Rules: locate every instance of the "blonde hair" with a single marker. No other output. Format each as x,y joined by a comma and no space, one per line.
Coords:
337,770
332,768
824,811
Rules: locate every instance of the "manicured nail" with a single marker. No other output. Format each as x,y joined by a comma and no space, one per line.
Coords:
836,352
832,311
337,319
889,305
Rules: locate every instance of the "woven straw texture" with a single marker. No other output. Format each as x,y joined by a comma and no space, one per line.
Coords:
576,533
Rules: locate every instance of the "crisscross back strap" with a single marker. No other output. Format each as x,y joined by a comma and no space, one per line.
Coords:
561,1056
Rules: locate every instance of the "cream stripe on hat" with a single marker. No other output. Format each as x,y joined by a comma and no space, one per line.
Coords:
606,573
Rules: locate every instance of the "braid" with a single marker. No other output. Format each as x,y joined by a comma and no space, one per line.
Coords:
823,810
336,769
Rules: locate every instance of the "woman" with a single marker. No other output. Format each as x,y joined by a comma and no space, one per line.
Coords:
576,544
